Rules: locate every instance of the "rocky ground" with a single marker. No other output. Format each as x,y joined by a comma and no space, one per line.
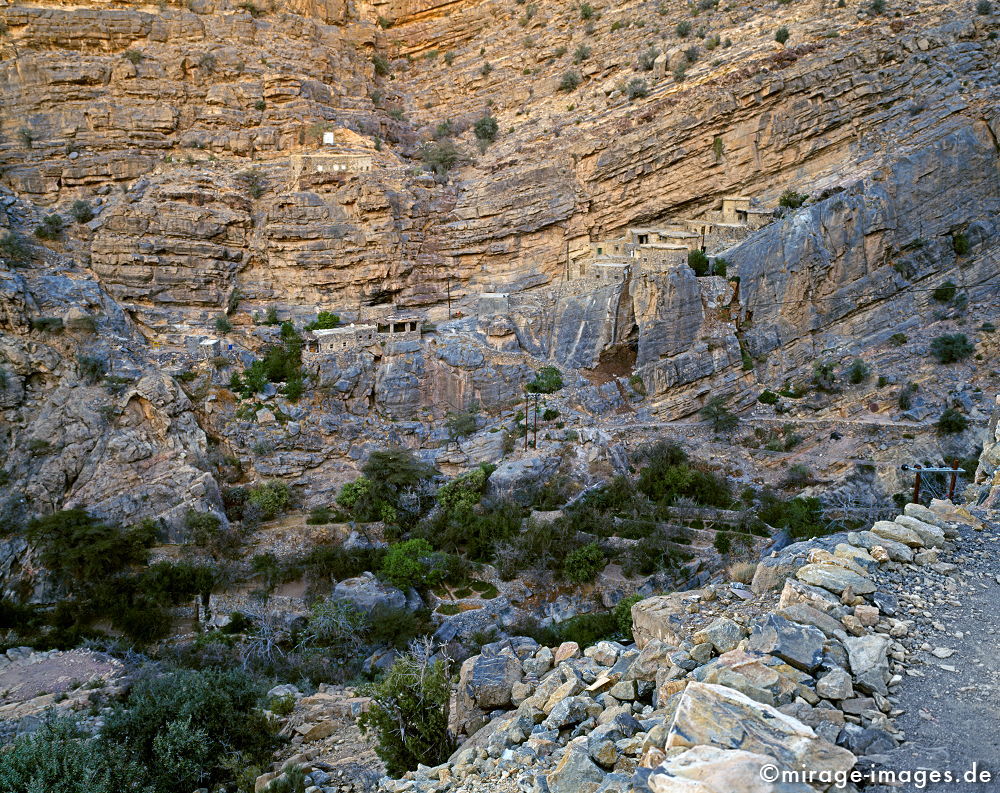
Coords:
818,680
950,695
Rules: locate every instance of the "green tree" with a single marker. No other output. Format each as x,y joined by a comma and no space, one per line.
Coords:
271,498
325,320
698,261
791,199
15,249
547,380
79,550
409,713
857,372
782,35
717,413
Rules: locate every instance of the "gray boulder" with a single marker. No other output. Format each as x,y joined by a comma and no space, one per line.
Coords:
798,645
367,593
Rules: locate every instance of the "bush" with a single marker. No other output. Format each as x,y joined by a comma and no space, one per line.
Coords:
413,563
441,156
62,757
581,54
583,564
898,339
719,266
270,498
180,727
91,368
570,81
945,293
791,199
586,11
718,415
782,35
253,182
382,67
667,476
951,422
14,249
222,324
698,261
906,394
461,423
81,212
636,89
876,6
802,517
547,380
51,227
486,129
951,348
984,8
723,542
682,29
648,58
409,713
857,372
824,377
767,397
623,615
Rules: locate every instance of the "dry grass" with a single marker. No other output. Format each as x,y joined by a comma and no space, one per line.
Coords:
741,571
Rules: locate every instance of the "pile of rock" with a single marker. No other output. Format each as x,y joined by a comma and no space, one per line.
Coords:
805,685
323,741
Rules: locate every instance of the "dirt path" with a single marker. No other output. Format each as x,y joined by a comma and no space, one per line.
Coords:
952,704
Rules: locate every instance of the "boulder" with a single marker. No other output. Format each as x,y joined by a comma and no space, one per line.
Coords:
575,773
518,480
799,645
835,578
489,679
368,593
719,716
709,769
869,659
661,617
805,614
890,530
763,678
835,685
922,513
931,535
723,634
898,552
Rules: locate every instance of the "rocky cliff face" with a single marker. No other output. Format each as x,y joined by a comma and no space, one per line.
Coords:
180,127
88,419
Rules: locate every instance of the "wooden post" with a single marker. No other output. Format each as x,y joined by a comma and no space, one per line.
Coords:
916,487
954,478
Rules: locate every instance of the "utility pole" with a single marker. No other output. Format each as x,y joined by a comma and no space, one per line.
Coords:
534,443
919,470
526,421
449,295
